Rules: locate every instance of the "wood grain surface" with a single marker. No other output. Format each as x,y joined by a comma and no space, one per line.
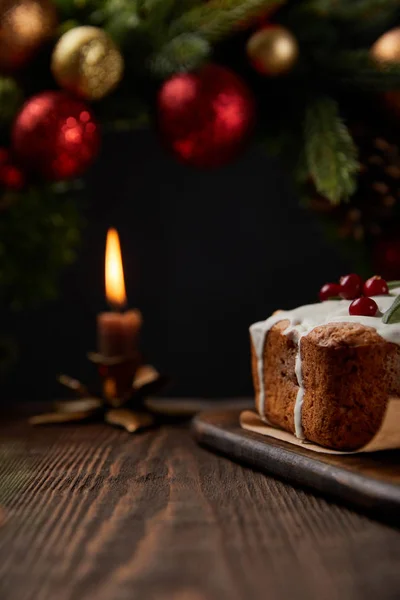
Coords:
368,481
91,512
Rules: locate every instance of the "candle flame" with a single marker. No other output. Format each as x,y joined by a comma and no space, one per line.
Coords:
115,285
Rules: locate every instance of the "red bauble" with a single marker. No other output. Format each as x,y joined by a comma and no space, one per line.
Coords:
11,176
386,258
55,136
4,156
206,117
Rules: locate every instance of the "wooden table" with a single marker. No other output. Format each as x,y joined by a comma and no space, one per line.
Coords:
91,512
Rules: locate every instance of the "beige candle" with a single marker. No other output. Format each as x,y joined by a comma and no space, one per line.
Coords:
117,331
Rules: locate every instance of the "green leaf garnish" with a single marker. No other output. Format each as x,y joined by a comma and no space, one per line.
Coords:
393,284
392,315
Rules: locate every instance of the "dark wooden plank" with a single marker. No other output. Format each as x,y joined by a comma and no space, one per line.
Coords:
367,481
92,512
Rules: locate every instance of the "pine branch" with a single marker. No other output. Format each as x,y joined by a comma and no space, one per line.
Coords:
10,99
39,235
330,151
352,10
217,19
120,18
156,12
357,69
184,53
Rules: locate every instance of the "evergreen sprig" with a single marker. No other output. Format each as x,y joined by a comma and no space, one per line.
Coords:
10,99
159,38
184,53
39,234
217,19
330,151
354,9
356,69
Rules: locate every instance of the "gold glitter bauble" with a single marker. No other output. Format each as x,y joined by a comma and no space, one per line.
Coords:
387,48
24,26
386,51
86,62
272,51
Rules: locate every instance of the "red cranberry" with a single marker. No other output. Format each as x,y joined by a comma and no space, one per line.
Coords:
375,286
329,290
350,286
364,306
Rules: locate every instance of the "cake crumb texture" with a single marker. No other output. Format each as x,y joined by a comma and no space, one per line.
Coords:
348,372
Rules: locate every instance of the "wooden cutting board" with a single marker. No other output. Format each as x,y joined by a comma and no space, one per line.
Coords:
370,482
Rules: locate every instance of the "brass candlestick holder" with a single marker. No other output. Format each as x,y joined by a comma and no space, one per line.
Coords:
118,376
125,379
125,383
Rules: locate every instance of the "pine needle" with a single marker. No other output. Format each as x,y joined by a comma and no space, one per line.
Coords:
330,151
352,9
357,69
216,19
184,53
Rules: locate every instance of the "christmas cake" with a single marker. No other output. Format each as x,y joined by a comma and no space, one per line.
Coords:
325,371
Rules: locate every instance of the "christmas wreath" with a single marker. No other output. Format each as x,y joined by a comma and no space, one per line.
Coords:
318,82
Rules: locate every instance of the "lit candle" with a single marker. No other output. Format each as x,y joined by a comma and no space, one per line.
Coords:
117,331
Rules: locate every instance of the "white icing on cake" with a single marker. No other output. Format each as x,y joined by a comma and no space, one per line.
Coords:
304,319
298,430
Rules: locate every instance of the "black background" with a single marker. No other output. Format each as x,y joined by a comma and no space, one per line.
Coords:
205,255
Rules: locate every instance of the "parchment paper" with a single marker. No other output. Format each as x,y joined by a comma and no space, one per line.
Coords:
387,438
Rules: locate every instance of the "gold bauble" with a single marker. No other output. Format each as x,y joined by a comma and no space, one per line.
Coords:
272,51
386,51
24,26
387,48
86,62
